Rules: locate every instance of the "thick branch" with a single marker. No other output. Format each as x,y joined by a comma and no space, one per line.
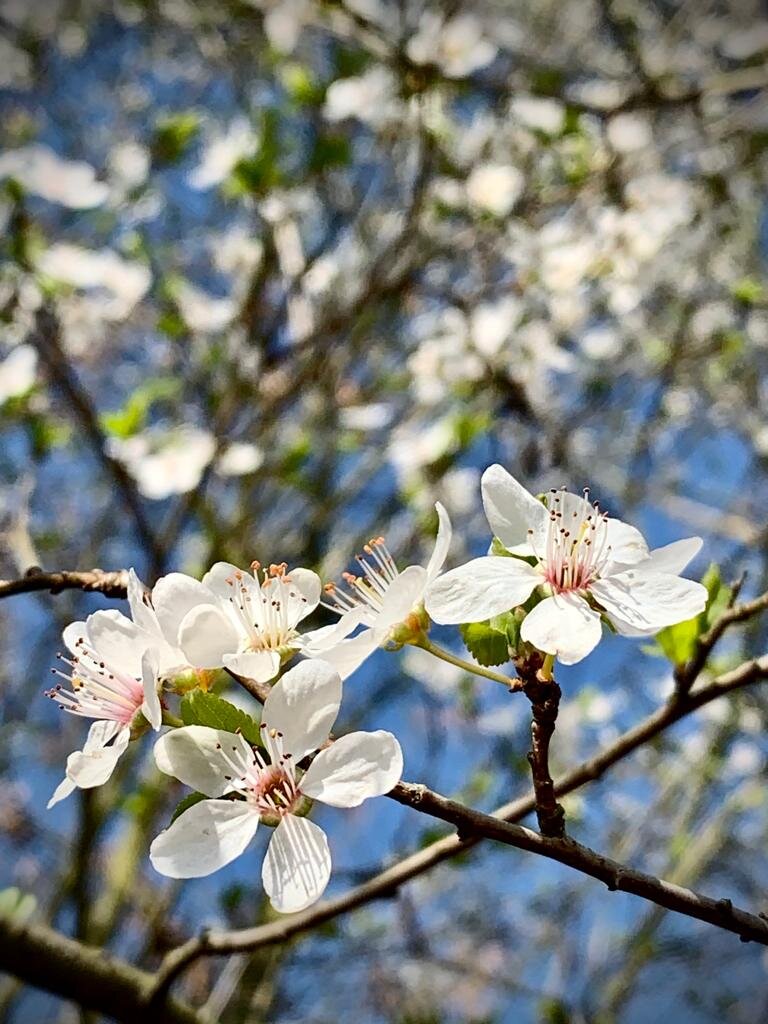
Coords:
87,975
385,884
112,583
545,701
721,913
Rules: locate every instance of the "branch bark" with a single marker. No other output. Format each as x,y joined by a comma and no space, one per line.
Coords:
616,876
545,701
87,975
386,883
110,583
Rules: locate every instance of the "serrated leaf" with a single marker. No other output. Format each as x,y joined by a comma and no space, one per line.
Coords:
201,708
488,646
189,801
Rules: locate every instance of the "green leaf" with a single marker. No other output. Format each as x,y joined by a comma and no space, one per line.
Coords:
173,136
678,642
487,645
189,801
132,417
748,290
201,708
18,905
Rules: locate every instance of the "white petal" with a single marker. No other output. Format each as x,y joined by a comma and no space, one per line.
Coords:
62,791
627,544
303,706
259,665
564,625
117,640
206,635
640,604
173,596
401,596
219,578
202,758
308,588
354,768
672,558
141,612
99,735
72,633
151,707
325,637
90,768
297,865
348,655
480,589
204,838
442,543
510,509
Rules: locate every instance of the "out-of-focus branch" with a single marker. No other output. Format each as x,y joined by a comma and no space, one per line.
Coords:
111,583
87,975
46,339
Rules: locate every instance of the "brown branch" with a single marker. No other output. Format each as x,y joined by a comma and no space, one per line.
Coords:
87,975
46,339
111,583
720,913
386,883
545,701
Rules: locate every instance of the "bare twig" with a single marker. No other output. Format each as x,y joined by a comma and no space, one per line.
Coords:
545,701
47,341
385,884
113,583
721,913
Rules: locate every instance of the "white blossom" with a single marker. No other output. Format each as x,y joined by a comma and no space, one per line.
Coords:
239,459
246,785
380,599
582,563
112,678
245,622
113,284
18,372
495,188
457,46
371,97
165,462
70,183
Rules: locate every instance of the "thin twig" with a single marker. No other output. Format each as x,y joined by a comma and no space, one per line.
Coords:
386,883
113,583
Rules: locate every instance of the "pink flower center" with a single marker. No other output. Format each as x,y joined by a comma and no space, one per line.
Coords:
269,786
575,545
98,690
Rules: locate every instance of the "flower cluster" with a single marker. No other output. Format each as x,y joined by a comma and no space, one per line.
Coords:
559,563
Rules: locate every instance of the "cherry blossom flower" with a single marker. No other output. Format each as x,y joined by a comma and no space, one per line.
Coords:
380,599
245,622
246,785
584,564
112,679
165,462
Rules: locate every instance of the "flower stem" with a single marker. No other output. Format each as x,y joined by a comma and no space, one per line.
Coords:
440,652
172,720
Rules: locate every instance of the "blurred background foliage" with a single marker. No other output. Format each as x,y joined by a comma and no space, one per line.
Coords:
277,275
